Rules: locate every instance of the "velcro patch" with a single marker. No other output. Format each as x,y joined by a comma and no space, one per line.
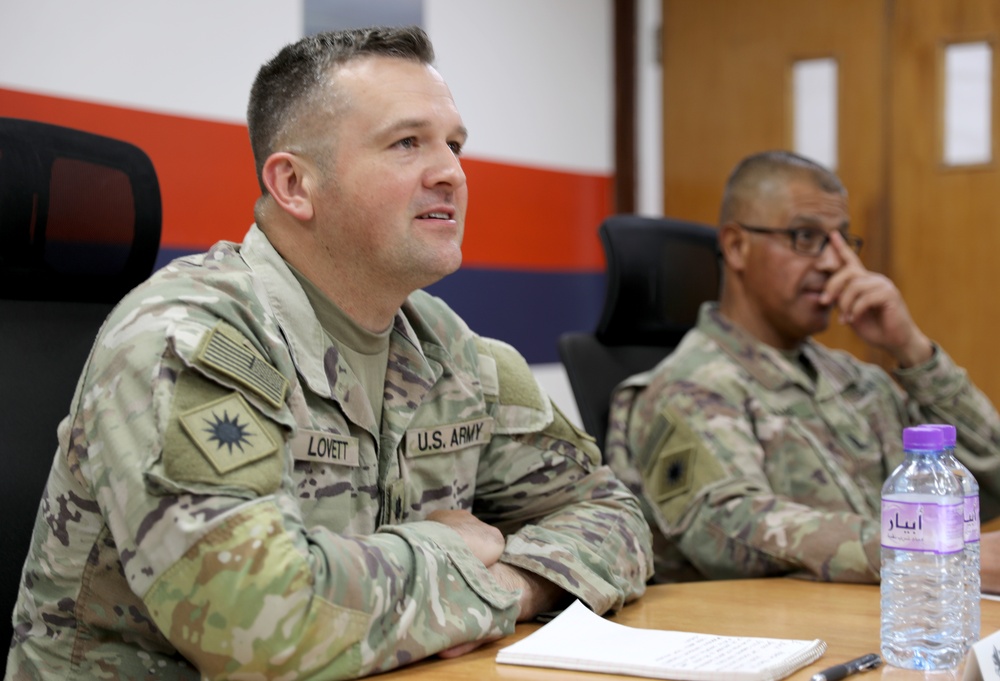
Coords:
515,383
227,433
228,352
676,466
447,438
317,446
673,472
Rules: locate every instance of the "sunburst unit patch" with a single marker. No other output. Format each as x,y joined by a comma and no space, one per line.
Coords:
227,433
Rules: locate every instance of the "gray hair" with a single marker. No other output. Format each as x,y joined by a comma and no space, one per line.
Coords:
747,181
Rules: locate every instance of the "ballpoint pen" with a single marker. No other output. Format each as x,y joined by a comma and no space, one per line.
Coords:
841,671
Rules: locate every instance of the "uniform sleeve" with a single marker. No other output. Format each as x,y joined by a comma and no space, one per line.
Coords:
566,517
702,471
191,478
939,391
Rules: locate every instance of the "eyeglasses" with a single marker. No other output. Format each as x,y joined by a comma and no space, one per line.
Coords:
807,240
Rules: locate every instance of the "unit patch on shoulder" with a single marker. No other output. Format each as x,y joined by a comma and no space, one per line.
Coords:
672,472
676,466
228,433
227,351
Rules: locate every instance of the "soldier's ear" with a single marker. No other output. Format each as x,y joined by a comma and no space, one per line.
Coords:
290,179
734,244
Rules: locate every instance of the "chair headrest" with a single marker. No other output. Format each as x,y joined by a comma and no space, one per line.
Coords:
80,214
659,272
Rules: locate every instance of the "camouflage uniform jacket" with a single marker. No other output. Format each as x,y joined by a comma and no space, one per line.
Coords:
748,466
221,504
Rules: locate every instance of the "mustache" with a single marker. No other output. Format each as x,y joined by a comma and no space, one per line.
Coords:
816,282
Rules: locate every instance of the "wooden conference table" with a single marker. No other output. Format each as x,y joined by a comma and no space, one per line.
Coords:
846,616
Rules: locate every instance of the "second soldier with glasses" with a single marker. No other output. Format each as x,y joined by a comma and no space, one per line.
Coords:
758,450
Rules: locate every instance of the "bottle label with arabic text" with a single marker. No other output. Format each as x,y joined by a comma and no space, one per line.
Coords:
971,518
932,525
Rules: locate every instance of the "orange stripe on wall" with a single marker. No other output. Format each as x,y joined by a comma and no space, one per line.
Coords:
205,169
519,217
529,218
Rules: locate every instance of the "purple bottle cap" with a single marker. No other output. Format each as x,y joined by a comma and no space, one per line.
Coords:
947,430
923,437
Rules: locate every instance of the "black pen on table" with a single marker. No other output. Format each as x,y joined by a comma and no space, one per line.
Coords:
842,671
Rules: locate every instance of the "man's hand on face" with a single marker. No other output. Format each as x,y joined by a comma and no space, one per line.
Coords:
872,305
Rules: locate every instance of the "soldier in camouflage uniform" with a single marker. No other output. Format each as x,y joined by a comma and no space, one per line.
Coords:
756,450
281,461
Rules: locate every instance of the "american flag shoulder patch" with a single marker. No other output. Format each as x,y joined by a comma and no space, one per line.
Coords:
225,350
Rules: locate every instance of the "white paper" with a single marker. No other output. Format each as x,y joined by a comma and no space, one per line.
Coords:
579,639
983,662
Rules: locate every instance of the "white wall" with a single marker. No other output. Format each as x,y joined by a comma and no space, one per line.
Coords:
185,57
532,78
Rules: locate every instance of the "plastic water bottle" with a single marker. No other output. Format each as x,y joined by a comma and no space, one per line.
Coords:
970,490
923,548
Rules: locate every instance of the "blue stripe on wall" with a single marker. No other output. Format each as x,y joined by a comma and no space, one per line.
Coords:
529,310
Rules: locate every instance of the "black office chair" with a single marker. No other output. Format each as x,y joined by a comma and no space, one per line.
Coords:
80,222
659,272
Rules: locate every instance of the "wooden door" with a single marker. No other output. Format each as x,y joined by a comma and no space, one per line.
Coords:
945,240
727,67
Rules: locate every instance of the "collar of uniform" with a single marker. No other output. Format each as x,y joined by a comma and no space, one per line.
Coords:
286,299
414,337
835,369
768,366
416,362
304,334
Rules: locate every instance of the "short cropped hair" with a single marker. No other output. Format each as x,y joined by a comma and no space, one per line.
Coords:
289,84
747,180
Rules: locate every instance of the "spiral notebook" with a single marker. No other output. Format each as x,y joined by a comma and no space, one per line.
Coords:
580,640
